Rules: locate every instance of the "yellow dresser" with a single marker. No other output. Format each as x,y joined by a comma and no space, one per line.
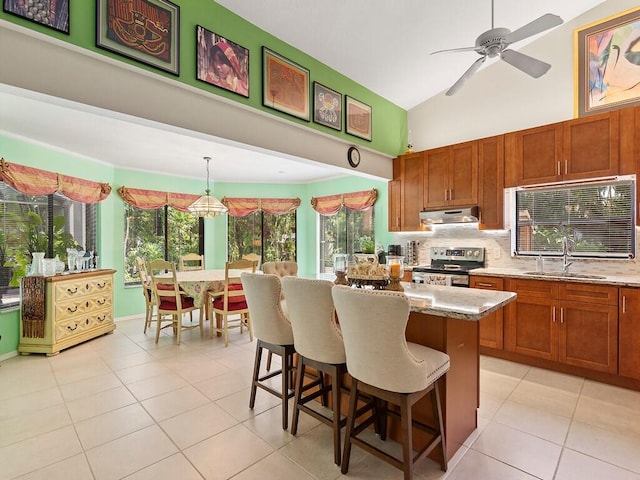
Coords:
76,308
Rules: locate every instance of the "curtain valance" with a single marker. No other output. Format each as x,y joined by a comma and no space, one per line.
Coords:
330,205
241,207
152,199
34,181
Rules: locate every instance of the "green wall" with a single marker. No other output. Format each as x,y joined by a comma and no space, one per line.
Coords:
129,301
389,121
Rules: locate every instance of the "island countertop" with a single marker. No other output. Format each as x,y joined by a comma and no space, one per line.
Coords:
455,302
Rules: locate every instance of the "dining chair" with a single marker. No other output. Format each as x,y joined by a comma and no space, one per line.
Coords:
147,292
172,303
190,261
384,365
274,334
282,269
318,344
230,301
253,257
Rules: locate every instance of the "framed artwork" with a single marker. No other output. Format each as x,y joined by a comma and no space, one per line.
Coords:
607,65
285,85
358,118
50,13
221,62
327,106
146,30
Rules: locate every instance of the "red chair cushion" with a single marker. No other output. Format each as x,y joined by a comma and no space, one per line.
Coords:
234,303
169,304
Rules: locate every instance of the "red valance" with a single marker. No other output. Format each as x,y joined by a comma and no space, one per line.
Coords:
241,207
152,199
330,205
34,181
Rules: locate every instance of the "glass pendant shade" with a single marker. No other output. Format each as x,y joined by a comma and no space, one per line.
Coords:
207,206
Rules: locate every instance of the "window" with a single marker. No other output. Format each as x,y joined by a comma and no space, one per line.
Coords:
597,218
159,233
272,236
348,231
39,223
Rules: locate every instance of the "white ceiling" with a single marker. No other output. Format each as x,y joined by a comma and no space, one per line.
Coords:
383,45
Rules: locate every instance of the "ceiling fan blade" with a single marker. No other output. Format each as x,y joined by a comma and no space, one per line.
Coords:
529,65
465,76
463,49
540,24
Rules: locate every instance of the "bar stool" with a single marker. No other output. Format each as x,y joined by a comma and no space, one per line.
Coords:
319,344
273,333
384,365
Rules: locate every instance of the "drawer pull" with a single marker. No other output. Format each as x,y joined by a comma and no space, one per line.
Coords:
75,290
624,304
482,284
101,318
554,315
86,287
101,285
72,310
71,329
86,322
102,301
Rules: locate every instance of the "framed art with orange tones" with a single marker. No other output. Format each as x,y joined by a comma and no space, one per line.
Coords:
50,13
285,85
358,118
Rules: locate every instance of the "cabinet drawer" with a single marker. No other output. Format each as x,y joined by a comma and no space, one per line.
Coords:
78,306
533,288
82,323
589,293
76,289
487,283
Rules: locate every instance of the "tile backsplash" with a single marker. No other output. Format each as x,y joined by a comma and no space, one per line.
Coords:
497,245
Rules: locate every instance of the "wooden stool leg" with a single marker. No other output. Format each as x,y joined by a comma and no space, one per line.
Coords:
407,437
437,407
298,395
336,393
351,420
256,373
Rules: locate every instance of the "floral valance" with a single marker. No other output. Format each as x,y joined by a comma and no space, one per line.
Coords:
330,205
152,199
241,207
34,181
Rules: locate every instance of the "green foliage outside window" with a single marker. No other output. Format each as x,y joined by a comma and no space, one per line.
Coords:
271,236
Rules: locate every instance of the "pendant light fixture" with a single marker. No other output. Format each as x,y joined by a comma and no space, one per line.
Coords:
207,206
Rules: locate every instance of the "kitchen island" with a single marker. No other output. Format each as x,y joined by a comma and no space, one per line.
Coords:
446,319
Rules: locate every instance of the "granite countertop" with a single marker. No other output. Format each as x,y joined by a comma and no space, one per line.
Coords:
573,276
455,302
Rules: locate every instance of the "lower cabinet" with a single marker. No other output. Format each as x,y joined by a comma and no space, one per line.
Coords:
629,351
572,323
491,326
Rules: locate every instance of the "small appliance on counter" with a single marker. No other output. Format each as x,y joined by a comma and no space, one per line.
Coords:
395,250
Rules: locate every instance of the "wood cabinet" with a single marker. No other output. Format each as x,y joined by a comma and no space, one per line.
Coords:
394,196
491,182
491,326
451,175
411,190
572,323
582,148
77,308
629,329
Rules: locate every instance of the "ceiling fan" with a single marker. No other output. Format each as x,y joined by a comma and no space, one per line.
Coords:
494,42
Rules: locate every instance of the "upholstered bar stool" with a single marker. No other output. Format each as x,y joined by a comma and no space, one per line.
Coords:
384,365
273,333
318,343
282,269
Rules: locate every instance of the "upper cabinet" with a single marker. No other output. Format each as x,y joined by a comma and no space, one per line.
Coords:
394,195
451,175
491,182
411,200
582,148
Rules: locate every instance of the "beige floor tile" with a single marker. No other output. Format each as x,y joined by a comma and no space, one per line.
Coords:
228,453
559,381
109,426
617,449
12,381
198,368
154,386
99,403
544,397
130,453
608,415
577,466
520,450
237,404
482,424
503,367
196,425
225,384
142,372
29,402
131,360
476,466
90,386
38,452
278,466
32,424
497,384
489,405
172,468
82,371
72,468
174,403
268,425
531,420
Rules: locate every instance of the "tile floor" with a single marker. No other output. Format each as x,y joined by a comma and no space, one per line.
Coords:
122,407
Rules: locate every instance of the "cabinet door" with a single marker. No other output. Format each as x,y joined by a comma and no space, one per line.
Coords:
532,329
591,146
436,182
411,200
533,155
394,190
629,328
588,336
463,174
491,326
491,182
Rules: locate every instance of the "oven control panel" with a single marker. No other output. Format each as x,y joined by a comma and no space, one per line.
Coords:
475,254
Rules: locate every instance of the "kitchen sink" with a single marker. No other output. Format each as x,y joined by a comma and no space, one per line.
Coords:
566,275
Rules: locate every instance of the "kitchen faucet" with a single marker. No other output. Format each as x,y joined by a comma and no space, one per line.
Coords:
565,254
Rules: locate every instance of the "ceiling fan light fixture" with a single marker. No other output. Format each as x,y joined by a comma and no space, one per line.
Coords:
207,206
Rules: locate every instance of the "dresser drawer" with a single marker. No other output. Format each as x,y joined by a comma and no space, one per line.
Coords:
78,306
82,287
80,324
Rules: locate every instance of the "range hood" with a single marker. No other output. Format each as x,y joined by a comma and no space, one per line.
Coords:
460,215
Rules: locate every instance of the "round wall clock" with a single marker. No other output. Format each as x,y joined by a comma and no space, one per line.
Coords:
353,156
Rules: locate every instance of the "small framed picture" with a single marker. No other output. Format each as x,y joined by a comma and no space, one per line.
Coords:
285,85
50,13
358,118
327,106
146,30
221,62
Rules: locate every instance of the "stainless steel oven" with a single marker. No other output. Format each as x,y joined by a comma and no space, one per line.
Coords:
449,266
